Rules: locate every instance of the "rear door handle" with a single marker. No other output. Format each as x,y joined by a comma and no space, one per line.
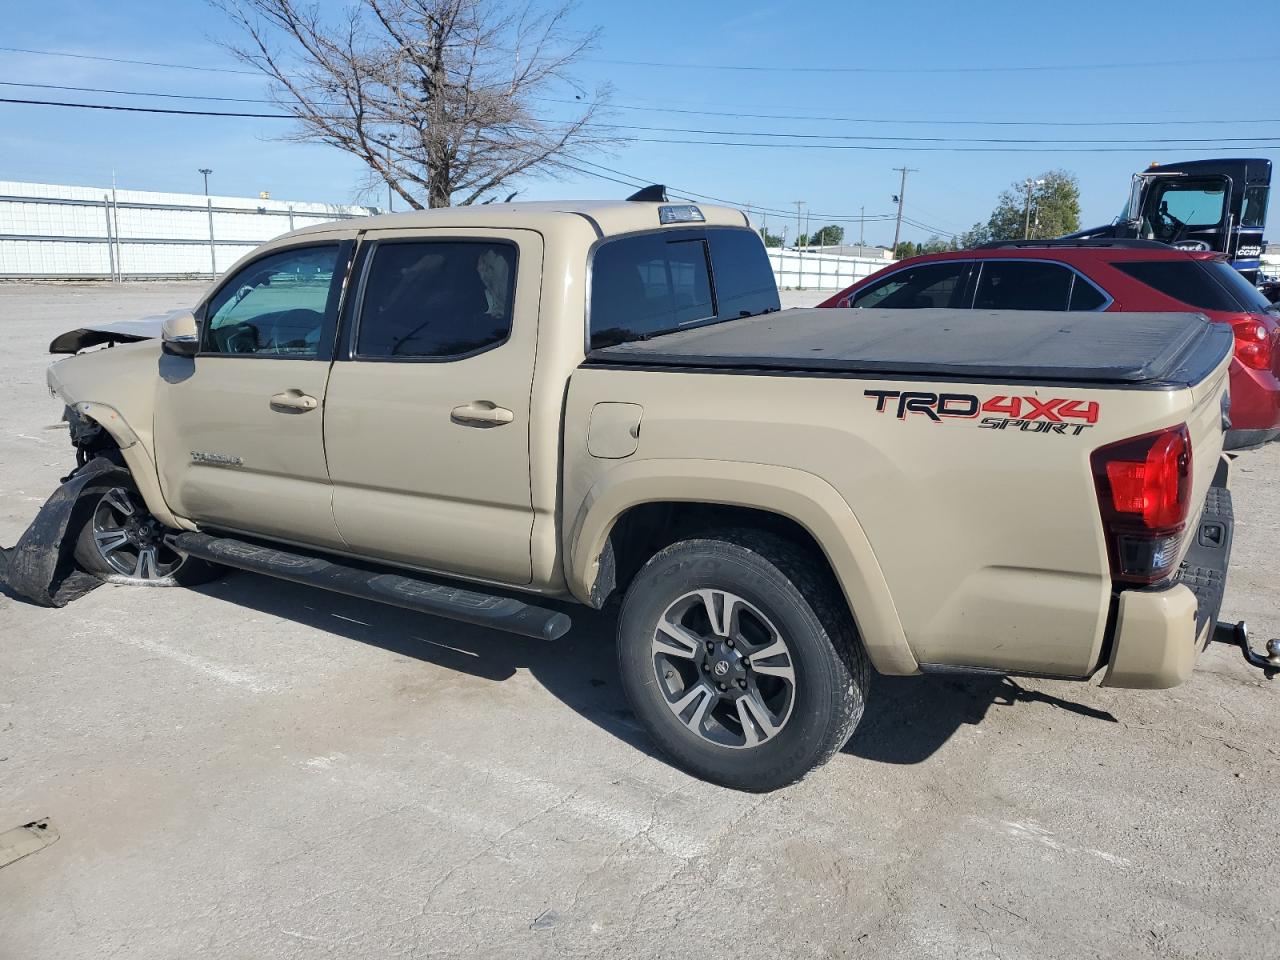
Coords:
481,413
294,399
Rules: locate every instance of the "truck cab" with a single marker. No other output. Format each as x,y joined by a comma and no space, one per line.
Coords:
1218,205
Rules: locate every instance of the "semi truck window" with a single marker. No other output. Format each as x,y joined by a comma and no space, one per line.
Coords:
928,285
1176,206
1184,281
649,284
437,299
275,306
1255,207
1023,285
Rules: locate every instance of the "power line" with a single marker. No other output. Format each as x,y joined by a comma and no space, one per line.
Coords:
740,67
1027,68
140,93
905,120
136,63
899,143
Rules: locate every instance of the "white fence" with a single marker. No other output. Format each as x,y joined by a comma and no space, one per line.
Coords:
54,231
803,270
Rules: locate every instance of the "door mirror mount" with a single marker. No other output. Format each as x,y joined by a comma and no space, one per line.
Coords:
180,335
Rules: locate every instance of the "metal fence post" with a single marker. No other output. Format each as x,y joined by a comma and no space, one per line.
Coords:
111,253
115,219
213,254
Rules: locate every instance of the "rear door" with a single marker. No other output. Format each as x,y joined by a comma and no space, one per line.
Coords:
1034,285
427,413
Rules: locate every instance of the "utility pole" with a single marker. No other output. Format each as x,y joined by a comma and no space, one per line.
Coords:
799,204
206,171
1026,212
386,142
862,228
902,192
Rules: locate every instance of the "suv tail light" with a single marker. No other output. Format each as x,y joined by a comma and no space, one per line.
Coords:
1253,342
1144,496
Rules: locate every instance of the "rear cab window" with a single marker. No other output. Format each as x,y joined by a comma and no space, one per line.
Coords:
649,284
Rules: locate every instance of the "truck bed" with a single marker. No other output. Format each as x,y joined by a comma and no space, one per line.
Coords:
1140,350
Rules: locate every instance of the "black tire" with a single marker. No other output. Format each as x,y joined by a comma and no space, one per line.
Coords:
794,596
166,569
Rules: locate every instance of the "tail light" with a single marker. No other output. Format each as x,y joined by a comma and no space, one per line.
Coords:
1144,496
1253,342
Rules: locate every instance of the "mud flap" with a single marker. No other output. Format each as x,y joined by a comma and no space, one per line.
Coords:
41,567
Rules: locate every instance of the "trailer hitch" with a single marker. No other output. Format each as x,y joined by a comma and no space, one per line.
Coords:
1237,634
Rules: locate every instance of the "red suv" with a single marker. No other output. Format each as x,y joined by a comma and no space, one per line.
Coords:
1133,275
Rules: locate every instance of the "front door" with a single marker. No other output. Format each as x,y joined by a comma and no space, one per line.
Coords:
427,417
239,428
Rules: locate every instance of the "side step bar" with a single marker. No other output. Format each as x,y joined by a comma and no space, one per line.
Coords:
401,590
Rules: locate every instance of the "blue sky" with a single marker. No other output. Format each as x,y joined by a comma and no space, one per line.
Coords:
1224,77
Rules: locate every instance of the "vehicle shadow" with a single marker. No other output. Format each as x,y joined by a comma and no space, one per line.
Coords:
907,720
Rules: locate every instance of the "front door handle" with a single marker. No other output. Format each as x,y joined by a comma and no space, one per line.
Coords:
481,413
295,400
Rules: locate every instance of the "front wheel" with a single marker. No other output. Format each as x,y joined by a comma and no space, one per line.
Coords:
120,540
740,658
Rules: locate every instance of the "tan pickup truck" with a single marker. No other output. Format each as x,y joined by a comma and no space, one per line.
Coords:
462,410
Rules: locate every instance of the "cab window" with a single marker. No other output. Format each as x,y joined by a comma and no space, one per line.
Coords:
1178,206
928,285
436,299
276,306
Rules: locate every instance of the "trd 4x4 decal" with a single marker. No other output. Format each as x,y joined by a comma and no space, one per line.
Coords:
1028,414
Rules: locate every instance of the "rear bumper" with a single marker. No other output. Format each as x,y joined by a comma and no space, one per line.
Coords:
1160,632
1255,402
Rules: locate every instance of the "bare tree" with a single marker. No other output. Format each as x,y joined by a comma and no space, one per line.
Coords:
441,98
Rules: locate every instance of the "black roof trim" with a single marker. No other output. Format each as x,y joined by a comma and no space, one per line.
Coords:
1113,242
654,193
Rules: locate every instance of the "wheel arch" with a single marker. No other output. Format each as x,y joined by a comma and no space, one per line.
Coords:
636,502
135,456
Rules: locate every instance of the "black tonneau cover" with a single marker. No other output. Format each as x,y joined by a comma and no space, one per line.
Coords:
1138,349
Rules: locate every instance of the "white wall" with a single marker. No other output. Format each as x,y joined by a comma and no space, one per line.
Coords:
65,232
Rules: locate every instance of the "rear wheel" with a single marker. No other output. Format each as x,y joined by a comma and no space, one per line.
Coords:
120,539
739,656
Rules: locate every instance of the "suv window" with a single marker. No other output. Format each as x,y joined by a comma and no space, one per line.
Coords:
1183,280
435,299
275,306
927,285
1085,296
1023,285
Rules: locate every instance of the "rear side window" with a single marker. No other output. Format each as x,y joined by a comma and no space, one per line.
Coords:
1255,207
1023,285
1183,280
436,299
1085,296
928,285
1245,293
743,276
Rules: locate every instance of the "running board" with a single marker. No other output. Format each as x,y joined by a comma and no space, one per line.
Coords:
398,589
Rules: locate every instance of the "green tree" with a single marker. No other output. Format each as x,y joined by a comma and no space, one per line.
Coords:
829,236
802,240
975,236
904,249
1054,208
935,244
771,239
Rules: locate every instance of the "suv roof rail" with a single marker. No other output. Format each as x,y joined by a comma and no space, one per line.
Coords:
654,193
1116,243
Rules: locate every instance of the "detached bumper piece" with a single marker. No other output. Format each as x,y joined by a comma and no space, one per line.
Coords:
398,589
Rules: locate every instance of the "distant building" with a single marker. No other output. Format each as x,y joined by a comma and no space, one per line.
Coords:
866,252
